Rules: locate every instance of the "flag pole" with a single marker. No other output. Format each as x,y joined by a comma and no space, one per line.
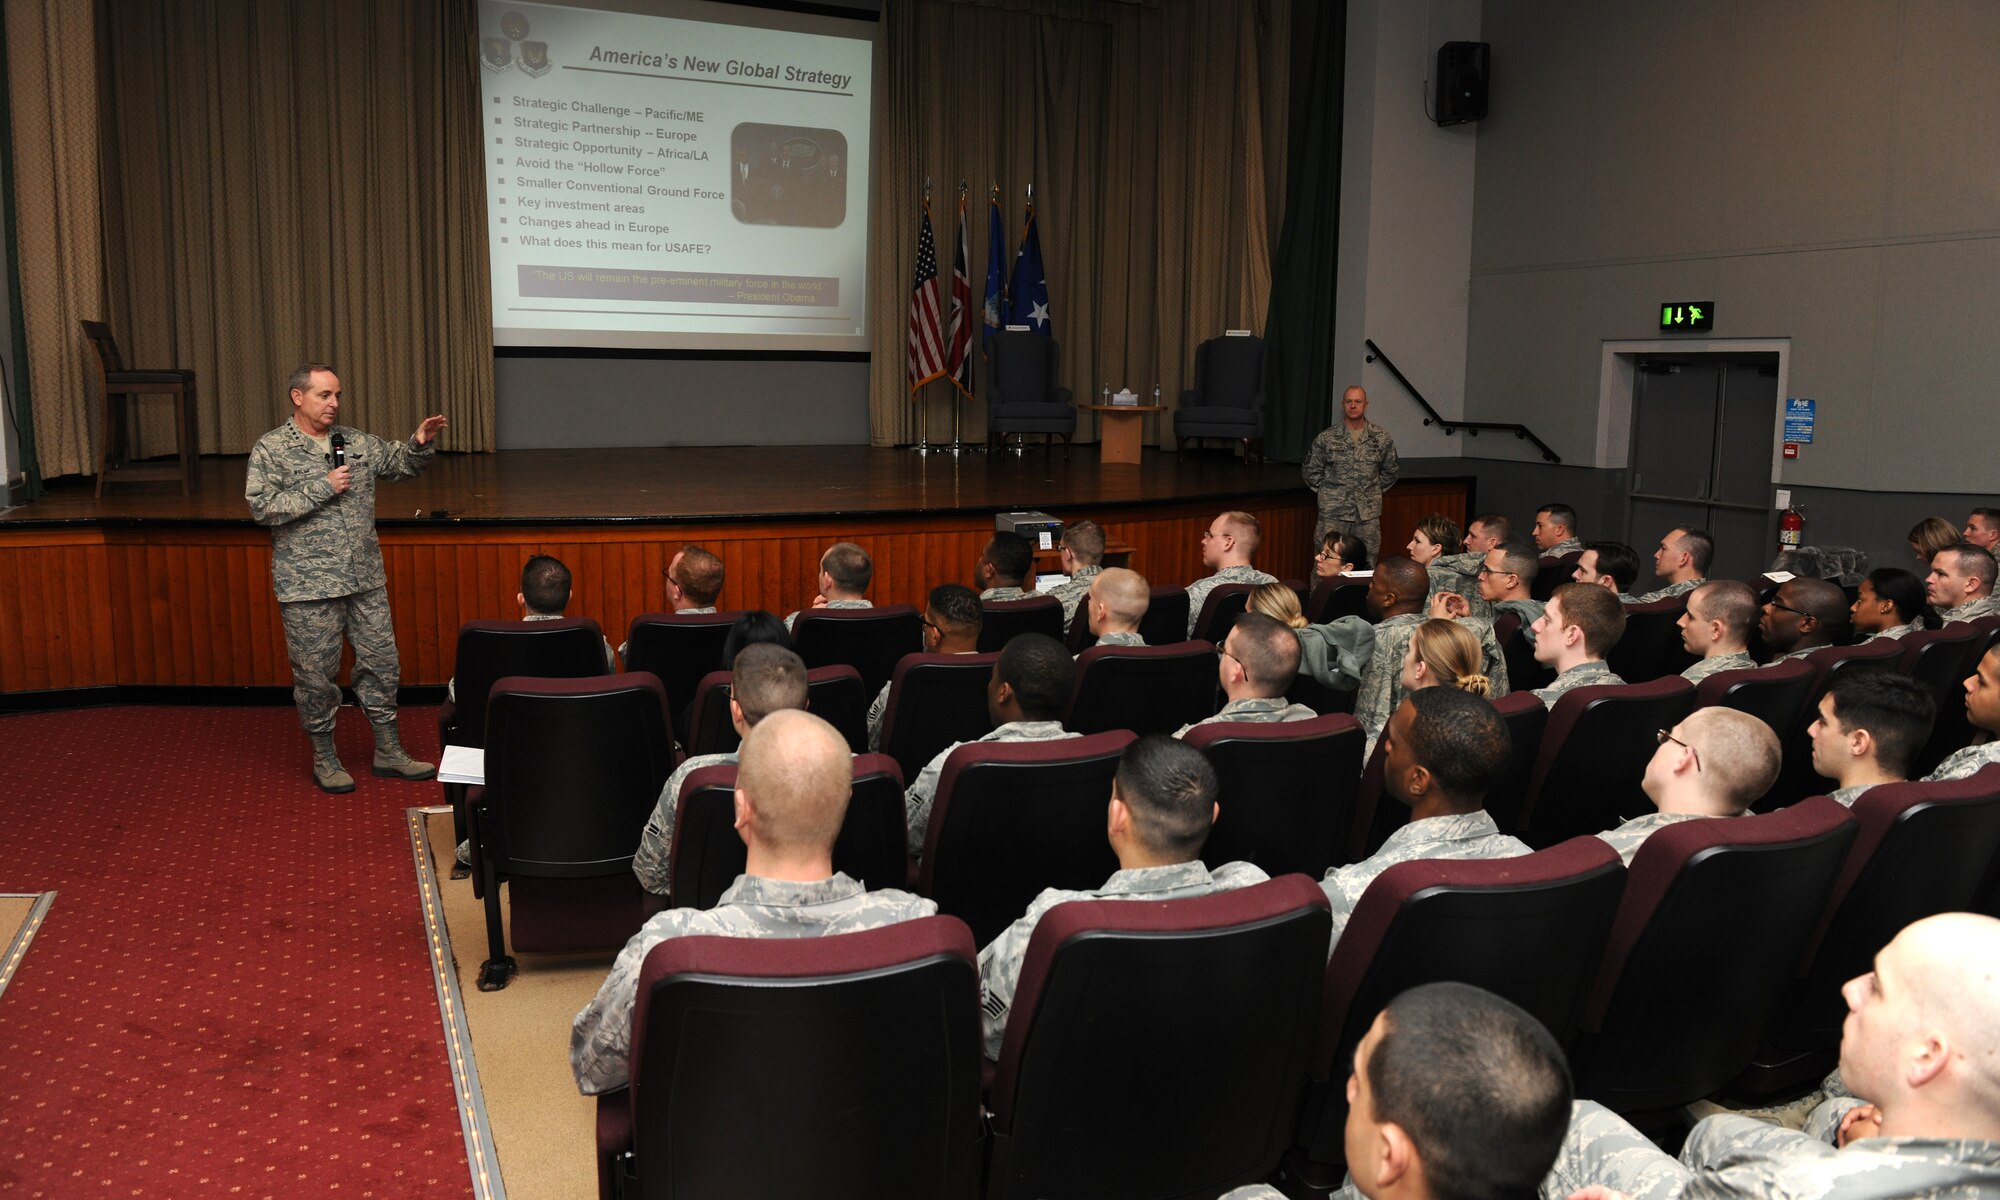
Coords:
923,446
957,396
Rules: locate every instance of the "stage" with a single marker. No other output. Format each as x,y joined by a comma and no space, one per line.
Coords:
148,589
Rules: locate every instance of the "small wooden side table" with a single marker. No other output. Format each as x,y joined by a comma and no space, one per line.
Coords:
1120,429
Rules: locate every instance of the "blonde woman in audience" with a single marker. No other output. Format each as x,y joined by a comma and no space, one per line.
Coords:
1931,535
1445,653
1335,653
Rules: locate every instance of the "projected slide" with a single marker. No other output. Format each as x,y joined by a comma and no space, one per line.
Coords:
662,182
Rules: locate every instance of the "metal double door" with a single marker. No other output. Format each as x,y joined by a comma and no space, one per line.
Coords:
1704,433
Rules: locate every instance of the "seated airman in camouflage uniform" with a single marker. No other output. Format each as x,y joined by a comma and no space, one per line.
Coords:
1162,805
1870,728
952,620
1441,753
1227,546
1396,595
1716,763
763,680
1007,563
1613,566
845,571
1982,708
1257,661
1456,1092
791,797
1580,624
1682,560
1082,561
1716,627
1030,685
1922,1042
1117,601
326,564
1888,604
1960,585
1804,615
1555,530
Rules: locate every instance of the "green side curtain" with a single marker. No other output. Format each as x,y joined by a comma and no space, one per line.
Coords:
1299,327
20,411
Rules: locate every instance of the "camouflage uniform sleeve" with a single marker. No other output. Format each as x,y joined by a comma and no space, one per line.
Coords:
875,712
1729,1142
1000,974
1378,683
1496,661
271,503
1391,468
1601,1148
401,460
917,800
600,1039
1314,470
1344,887
653,864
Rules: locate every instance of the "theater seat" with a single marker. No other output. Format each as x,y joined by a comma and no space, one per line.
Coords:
1012,818
1166,619
1940,659
680,648
1110,1084
1555,570
1001,621
1715,916
1593,755
1775,695
1287,792
1225,603
871,1039
935,700
1146,689
871,640
1337,597
1530,929
1651,645
1524,672
834,694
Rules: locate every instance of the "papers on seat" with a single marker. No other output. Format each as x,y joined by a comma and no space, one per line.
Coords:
463,764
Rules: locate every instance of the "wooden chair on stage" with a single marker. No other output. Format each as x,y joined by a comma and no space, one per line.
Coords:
114,379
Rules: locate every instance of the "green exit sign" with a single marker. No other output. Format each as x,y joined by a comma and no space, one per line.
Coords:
1689,316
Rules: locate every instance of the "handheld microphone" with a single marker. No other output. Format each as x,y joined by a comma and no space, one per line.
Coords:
339,451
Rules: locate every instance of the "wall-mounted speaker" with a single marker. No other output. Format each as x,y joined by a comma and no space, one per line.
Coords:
1462,74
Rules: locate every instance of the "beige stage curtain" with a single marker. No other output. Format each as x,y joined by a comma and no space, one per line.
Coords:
295,182
52,86
1154,133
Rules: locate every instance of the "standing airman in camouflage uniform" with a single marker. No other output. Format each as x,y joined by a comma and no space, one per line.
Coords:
326,564
791,795
1163,787
1350,465
1921,1041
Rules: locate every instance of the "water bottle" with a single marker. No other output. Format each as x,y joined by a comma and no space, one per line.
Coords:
1156,395
1107,394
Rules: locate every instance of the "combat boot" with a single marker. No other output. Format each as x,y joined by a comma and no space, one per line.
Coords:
327,771
392,762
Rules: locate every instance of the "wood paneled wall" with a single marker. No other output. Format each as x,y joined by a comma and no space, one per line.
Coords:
192,606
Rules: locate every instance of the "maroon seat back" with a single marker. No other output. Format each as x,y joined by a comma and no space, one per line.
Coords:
1555,570
1189,1115
1287,792
1525,672
1225,603
934,701
1651,645
572,774
1922,849
1001,621
1940,659
871,640
1012,818
834,694
565,648
708,853
874,1037
1146,689
1593,755
1337,597
1527,722
1530,929
680,648
1715,917
1166,619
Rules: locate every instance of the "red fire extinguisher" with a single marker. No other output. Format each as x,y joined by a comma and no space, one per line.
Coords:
1791,530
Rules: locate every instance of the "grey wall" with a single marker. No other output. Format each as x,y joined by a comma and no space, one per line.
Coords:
1824,170
580,402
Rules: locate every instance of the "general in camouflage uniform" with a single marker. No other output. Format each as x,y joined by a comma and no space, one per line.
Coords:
1255,710
1459,837
600,1039
1000,962
1716,664
917,799
1350,465
326,565
1728,1156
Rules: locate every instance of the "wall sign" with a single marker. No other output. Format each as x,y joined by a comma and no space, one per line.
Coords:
1687,316
1799,416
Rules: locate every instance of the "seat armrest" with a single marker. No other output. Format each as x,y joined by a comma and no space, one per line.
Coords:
1064,395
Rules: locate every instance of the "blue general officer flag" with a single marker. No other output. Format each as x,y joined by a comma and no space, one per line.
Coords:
1028,289
996,254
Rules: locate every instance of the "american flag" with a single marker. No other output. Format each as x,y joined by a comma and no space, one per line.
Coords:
958,359
926,336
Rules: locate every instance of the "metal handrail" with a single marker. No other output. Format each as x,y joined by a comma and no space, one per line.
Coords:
1450,427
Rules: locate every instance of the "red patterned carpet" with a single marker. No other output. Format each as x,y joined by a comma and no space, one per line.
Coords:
230,996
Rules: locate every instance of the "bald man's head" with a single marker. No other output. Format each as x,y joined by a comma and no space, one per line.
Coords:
1124,594
1922,1037
795,772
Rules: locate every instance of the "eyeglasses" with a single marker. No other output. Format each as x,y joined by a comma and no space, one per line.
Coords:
927,623
1487,572
1663,737
1788,608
